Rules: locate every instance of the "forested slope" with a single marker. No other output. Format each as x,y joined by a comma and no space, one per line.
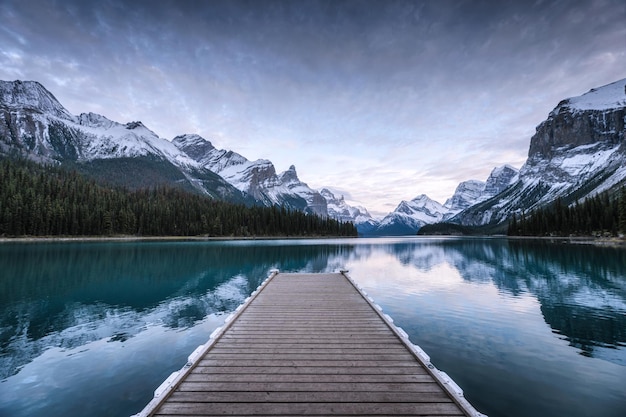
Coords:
602,214
40,200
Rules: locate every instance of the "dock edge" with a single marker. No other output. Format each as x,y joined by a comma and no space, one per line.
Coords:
176,377
442,378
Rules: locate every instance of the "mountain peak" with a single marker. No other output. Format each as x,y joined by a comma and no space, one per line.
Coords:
575,153
595,118
330,196
33,96
290,175
499,179
134,125
340,210
410,216
465,195
191,139
95,120
610,96
422,200
193,145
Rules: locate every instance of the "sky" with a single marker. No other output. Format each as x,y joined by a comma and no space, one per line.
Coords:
378,100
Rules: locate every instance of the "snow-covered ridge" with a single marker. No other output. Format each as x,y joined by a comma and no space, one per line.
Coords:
610,96
580,145
109,139
410,216
577,152
465,195
88,136
34,123
339,209
256,178
31,95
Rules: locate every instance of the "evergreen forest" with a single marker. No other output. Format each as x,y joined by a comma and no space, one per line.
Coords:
601,215
38,200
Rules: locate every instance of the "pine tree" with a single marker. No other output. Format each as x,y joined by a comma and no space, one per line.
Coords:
622,210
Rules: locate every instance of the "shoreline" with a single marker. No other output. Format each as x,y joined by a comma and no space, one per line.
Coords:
26,239
574,240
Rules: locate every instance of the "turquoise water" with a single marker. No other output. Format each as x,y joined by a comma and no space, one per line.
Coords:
525,328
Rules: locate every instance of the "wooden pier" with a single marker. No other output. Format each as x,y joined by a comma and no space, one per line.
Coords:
309,344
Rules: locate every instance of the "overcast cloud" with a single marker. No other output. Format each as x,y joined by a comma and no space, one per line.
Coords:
384,100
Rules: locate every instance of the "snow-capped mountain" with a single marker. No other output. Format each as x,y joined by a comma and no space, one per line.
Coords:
465,195
471,192
34,124
410,216
499,180
35,121
578,151
255,178
340,210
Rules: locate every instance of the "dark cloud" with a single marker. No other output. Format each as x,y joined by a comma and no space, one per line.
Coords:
323,76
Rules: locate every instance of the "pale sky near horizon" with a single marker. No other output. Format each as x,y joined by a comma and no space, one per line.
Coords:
379,100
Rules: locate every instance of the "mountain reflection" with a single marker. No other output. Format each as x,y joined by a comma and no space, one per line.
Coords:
581,288
66,295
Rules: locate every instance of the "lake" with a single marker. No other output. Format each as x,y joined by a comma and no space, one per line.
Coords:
526,328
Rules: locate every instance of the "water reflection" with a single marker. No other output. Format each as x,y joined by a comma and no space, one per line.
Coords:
581,288
69,294
479,305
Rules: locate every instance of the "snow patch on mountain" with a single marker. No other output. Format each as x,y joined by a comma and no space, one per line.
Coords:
610,96
469,193
575,153
256,178
18,95
410,216
340,210
46,128
500,179
35,125
465,195
106,139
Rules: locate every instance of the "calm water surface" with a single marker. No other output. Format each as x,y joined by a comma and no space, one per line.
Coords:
525,328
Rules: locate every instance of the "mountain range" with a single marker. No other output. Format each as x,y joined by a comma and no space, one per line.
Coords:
576,152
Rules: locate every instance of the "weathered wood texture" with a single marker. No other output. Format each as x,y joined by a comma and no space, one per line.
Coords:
309,344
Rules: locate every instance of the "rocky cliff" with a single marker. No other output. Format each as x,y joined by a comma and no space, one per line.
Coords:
578,151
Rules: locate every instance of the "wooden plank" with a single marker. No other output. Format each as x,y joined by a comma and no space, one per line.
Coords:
308,409
309,378
409,369
270,349
305,322
292,363
308,344
312,377
195,383
380,357
364,338
310,397
235,345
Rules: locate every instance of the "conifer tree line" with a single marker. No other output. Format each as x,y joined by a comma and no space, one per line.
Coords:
597,215
38,200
